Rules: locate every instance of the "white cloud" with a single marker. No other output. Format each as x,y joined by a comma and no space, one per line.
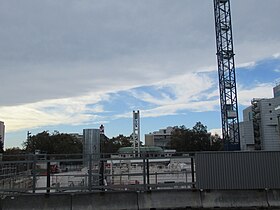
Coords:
55,60
248,65
52,112
194,92
50,51
259,91
189,92
216,131
276,55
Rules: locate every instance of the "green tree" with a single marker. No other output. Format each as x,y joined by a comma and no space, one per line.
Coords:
14,153
216,142
123,141
180,139
112,145
56,143
199,128
195,139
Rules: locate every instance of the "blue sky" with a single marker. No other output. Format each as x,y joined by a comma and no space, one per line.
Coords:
67,65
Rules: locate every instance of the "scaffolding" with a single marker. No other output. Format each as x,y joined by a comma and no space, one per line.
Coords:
256,117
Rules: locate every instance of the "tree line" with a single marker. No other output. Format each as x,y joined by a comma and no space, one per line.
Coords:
182,140
195,139
62,143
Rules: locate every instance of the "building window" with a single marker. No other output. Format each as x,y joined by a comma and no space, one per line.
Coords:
271,118
250,115
270,111
269,104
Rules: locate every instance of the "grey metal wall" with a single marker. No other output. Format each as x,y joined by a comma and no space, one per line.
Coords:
91,146
91,141
238,170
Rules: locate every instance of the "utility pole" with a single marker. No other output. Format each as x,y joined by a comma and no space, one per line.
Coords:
226,71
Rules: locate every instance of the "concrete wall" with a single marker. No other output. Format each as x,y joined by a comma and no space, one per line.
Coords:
247,141
269,124
164,199
149,140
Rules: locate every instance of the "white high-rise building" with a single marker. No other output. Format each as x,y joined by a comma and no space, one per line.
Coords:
260,127
2,132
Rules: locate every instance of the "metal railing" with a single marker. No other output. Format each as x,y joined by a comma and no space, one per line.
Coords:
82,173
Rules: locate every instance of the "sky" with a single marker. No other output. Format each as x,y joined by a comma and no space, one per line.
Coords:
67,65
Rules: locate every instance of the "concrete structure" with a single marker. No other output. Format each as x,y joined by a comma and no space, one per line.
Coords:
2,132
276,91
260,128
159,138
246,135
163,199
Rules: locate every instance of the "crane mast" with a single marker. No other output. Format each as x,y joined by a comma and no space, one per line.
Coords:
226,72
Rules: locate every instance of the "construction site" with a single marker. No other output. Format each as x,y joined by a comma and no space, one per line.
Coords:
249,164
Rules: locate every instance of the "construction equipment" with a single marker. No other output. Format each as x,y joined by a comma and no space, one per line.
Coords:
226,71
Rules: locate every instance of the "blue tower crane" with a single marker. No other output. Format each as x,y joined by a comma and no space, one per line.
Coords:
226,72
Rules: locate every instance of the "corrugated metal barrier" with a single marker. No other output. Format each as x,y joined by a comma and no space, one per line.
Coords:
238,170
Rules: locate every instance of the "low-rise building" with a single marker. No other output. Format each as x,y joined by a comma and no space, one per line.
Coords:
160,138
